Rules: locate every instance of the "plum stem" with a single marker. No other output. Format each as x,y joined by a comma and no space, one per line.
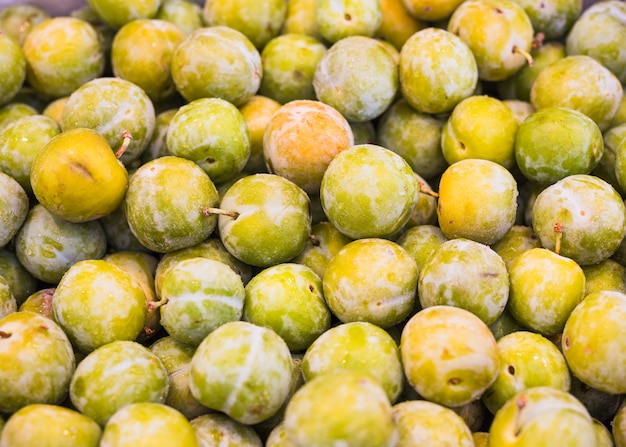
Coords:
426,190
524,53
208,211
126,139
558,229
538,41
153,305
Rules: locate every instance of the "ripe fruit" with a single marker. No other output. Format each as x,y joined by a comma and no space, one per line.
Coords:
257,112
335,21
117,13
210,427
14,207
13,66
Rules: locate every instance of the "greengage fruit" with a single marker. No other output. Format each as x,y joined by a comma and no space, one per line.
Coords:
324,243
8,304
421,241
210,427
40,302
13,66
17,20
606,275
21,282
518,240
117,13
552,18
338,20
14,207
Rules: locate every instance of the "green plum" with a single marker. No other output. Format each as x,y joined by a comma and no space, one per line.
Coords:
458,360
185,14
589,214
62,53
40,302
342,407
324,243
117,13
8,304
552,18
518,240
421,241
278,435
36,361
337,20
619,427
505,324
199,69
606,275
437,71
13,111
210,427
14,207
555,142
545,288
18,19
50,426
608,166
13,66
157,147
21,282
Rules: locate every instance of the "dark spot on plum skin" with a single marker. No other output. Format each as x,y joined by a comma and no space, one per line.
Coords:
566,342
347,16
489,275
311,288
511,370
454,381
498,10
5,334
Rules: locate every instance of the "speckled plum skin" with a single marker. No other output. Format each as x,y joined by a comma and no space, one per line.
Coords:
209,427
14,68
591,213
592,342
338,20
242,370
37,361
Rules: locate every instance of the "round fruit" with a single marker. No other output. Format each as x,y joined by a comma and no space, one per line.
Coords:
117,13
14,206
13,65
338,20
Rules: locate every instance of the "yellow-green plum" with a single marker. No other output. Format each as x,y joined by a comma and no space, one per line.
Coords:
342,407
360,346
148,424
498,32
456,362
18,19
619,166
210,427
50,425
358,77
477,201
521,109
372,280
157,146
288,299
540,417
257,112
300,18
165,218
426,424
604,437
606,18
592,341
13,66
465,274
606,275
40,302
555,142
325,242
185,14
278,436
581,83
86,289
13,111
117,13
369,191
200,68
590,215
527,360
142,52
545,288
429,10
425,212
518,240
212,133
552,18
272,221
37,361
337,20
480,127
14,207
242,370
62,53
437,71
8,303
619,428
607,168
421,241
20,280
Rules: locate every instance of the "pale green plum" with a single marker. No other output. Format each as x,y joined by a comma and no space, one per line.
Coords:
606,18
541,417
272,223
477,201
519,239
498,33
342,407
527,360
21,281
603,434
480,127
552,18
142,52
185,14
258,21
437,71
36,361
242,370
581,83
456,362
591,216
62,53
372,280
425,212
13,66
40,302
426,424
337,20
115,375
21,141
166,204
288,299
47,246
289,63
620,116
117,13
278,436
200,295
421,241
369,191
50,426
97,303
157,147
606,275
619,166
593,343
360,346
606,168
619,427
211,427
358,77
555,142
148,424
413,135
14,207
13,111
18,19
465,274
199,67
324,243
521,109
97,105
8,304
212,133
545,288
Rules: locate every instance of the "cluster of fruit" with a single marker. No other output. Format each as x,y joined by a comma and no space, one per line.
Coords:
312,223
